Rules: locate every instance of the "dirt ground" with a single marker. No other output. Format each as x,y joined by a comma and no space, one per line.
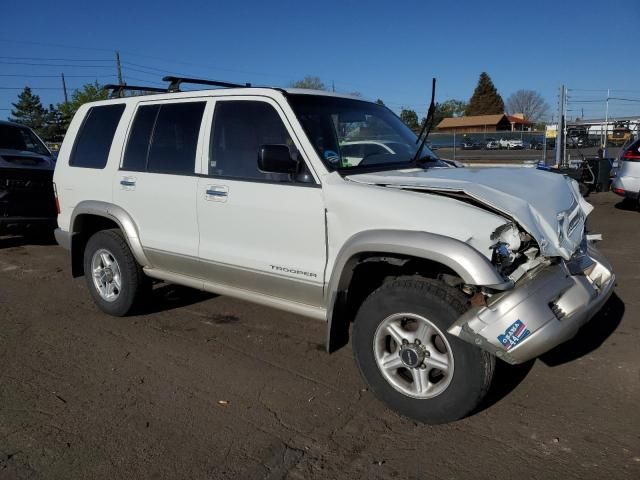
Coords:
209,387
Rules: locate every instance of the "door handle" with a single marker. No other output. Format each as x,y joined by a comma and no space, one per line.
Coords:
128,183
216,193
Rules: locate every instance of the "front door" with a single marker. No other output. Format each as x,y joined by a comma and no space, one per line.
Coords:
260,232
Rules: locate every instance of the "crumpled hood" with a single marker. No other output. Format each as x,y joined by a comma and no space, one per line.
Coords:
547,205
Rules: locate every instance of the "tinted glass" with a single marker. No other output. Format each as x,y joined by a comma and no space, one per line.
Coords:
175,138
93,142
239,129
21,138
135,156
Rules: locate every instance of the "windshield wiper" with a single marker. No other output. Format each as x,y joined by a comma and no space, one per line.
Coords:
426,126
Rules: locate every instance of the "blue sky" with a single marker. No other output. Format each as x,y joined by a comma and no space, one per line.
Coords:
387,50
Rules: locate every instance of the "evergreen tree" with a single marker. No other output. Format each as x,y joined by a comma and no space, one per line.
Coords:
54,128
485,99
380,102
28,111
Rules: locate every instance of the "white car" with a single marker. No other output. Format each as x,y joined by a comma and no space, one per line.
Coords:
627,180
434,273
512,144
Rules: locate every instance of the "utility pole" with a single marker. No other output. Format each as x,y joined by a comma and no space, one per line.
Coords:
64,88
560,127
606,125
333,86
119,68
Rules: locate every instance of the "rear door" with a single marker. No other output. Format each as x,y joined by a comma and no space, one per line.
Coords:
261,232
157,181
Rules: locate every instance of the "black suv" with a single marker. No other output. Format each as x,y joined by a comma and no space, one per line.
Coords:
26,180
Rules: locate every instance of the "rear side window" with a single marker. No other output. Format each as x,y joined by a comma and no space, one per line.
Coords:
135,156
93,142
175,138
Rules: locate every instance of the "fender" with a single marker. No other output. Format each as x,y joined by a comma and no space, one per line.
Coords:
120,217
473,267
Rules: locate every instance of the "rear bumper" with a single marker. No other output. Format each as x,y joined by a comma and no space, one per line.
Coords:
626,186
20,223
541,312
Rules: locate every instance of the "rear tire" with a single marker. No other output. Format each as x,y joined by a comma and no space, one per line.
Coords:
417,392
114,278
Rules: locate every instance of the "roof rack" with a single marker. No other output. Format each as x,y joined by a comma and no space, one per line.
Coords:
174,85
118,89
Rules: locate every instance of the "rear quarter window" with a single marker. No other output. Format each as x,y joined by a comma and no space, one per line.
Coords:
93,142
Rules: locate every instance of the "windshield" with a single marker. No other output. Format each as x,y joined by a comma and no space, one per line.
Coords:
13,137
353,134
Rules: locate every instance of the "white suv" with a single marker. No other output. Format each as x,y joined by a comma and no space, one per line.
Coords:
434,272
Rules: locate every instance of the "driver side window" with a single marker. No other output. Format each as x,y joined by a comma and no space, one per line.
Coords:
240,128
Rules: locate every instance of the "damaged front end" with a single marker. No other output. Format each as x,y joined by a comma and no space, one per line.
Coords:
547,306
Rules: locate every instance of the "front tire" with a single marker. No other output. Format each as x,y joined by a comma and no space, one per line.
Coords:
114,278
409,360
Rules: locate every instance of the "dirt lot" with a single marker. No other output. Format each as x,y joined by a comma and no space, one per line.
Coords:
210,387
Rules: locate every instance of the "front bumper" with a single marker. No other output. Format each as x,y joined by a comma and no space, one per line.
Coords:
545,309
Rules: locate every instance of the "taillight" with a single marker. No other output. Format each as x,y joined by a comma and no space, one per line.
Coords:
632,153
619,191
55,195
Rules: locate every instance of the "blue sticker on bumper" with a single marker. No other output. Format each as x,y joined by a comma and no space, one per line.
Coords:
514,334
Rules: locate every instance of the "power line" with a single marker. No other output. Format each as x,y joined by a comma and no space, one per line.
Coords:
46,59
28,75
37,88
54,65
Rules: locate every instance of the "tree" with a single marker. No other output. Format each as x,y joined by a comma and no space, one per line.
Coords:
91,92
310,82
410,118
448,108
485,99
380,102
54,128
28,111
528,102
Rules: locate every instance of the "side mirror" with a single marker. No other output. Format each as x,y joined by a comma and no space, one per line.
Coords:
276,159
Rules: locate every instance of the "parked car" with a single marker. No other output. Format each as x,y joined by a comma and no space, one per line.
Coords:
512,144
355,152
470,144
27,201
436,272
627,178
492,144
537,144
